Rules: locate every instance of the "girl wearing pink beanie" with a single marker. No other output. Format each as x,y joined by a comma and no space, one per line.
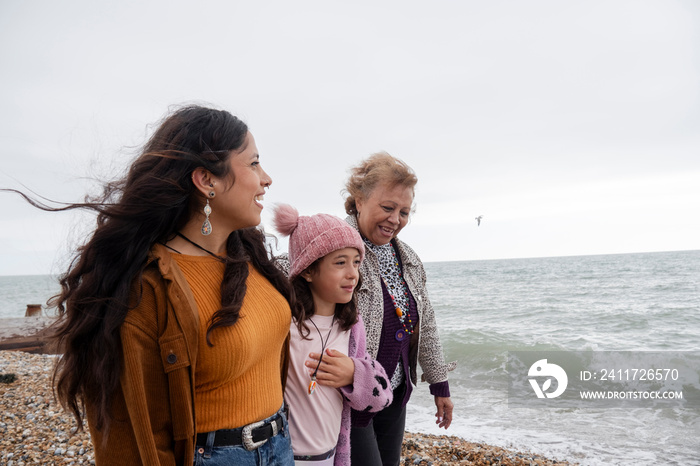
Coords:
330,372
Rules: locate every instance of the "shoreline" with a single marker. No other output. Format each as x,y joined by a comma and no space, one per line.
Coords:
35,430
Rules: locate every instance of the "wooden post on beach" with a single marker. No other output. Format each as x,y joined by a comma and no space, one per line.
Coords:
33,310
31,335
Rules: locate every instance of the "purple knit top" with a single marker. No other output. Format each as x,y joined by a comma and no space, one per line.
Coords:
391,350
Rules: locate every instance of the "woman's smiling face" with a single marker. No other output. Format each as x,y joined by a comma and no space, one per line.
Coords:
384,213
239,205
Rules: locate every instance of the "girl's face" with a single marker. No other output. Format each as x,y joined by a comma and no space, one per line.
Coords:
334,279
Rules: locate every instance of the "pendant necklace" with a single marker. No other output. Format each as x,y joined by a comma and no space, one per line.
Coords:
312,384
400,335
390,267
200,247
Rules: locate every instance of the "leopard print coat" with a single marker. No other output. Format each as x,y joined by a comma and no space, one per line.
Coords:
370,304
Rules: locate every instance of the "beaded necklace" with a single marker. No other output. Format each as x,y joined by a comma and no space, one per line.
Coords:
399,313
391,275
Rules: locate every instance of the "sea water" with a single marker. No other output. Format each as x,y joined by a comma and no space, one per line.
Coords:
485,309
16,292
645,303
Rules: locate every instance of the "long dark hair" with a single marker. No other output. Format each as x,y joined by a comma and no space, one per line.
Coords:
304,308
149,205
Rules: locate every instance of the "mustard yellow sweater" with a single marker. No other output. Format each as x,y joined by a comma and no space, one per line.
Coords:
237,381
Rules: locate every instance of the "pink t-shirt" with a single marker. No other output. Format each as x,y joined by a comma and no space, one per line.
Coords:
314,420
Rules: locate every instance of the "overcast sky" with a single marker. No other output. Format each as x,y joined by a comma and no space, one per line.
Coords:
573,127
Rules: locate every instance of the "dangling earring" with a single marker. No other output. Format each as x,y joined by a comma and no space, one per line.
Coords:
206,226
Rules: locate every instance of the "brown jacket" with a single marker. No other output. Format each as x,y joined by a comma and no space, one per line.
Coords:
153,411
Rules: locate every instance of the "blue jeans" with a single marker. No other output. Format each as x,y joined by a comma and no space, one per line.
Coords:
277,451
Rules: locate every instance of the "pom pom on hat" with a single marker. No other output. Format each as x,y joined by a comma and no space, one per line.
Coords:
311,238
286,219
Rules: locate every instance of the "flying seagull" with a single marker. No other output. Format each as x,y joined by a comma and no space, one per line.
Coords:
478,220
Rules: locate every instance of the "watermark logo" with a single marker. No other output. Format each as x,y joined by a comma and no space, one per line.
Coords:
614,379
541,369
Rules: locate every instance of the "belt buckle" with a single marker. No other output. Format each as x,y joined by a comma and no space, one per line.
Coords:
248,435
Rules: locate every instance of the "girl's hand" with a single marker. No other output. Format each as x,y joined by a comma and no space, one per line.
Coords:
336,369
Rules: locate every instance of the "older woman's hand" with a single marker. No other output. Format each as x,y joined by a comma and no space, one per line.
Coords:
444,411
336,369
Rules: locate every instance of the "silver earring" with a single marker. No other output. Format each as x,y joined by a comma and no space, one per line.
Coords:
206,226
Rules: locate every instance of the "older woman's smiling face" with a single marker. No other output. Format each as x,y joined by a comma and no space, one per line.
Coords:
384,213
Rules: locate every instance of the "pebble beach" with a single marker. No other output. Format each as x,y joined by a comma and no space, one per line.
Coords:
35,429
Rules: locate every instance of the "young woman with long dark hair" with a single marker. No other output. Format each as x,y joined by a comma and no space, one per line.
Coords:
173,321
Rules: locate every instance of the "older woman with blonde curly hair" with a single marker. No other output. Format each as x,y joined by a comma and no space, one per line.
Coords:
394,304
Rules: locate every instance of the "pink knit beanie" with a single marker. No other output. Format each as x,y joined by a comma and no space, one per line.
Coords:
313,237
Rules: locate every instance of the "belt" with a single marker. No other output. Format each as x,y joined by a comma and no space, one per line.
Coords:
251,436
321,457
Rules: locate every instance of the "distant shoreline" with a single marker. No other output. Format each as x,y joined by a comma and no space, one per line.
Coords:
565,256
429,261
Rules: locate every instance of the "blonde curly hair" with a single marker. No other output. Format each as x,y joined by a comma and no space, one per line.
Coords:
378,169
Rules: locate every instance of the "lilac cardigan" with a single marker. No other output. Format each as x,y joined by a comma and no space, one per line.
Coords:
370,390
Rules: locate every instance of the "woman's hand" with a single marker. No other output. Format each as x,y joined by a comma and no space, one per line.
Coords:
444,411
336,369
